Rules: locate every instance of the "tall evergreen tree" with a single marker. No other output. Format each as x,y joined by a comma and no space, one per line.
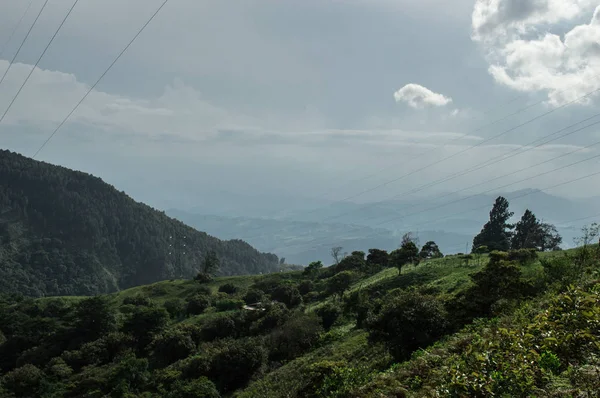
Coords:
527,232
496,233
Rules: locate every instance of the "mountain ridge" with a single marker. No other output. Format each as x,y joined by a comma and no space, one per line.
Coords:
67,232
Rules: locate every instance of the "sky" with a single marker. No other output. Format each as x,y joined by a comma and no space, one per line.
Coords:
308,99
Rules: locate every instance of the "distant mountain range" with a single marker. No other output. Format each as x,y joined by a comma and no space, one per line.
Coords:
306,235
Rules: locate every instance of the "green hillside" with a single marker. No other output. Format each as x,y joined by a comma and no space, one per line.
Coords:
517,324
64,232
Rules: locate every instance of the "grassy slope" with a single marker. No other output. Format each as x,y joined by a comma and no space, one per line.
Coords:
344,342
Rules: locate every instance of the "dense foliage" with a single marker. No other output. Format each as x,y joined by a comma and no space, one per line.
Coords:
64,232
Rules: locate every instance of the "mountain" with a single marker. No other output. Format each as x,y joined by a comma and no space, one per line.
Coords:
301,242
64,232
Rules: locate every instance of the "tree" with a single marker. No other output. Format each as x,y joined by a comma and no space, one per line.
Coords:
198,304
144,322
430,250
550,239
94,318
408,238
287,294
282,261
408,322
527,232
407,254
313,268
211,263
336,253
171,346
354,262
340,282
378,257
496,232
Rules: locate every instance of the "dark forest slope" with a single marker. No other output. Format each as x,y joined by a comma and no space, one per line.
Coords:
64,232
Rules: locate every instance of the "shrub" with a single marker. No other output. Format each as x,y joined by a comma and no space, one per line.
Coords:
306,287
254,296
287,294
523,256
171,346
295,337
340,282
408,322
198,388
229,305
234,365
26,381
329,313
198,304
228,288
145,322
561,270
58,369
137,300
274,315
203,277
175,307
218,328
334,379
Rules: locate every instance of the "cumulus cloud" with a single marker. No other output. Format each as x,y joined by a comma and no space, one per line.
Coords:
418,97
525,53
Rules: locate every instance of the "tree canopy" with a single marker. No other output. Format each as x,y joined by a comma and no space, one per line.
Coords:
65,232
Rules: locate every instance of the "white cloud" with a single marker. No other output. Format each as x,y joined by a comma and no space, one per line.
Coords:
525,54
50,95
418,97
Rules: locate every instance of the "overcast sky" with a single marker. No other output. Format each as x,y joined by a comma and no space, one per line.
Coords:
306,98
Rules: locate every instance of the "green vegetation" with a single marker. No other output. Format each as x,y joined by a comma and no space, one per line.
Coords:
524,321
64,232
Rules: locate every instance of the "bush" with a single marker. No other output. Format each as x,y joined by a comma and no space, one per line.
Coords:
274,315
175,307
234,365
145,322
329,313
254,296
287,294
171,346
561,270
228,288
306,287
198,304
229,305
203,277
408,322
218,328
137,300
295,337
523,256
26,381
198,388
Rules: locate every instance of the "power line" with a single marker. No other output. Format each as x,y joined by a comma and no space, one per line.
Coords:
99,79
471,147
23,42
474,209
369,205
38,61
499,159
443,159
15,29
417,156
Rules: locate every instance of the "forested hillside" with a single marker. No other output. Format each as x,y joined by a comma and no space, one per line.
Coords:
64,232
